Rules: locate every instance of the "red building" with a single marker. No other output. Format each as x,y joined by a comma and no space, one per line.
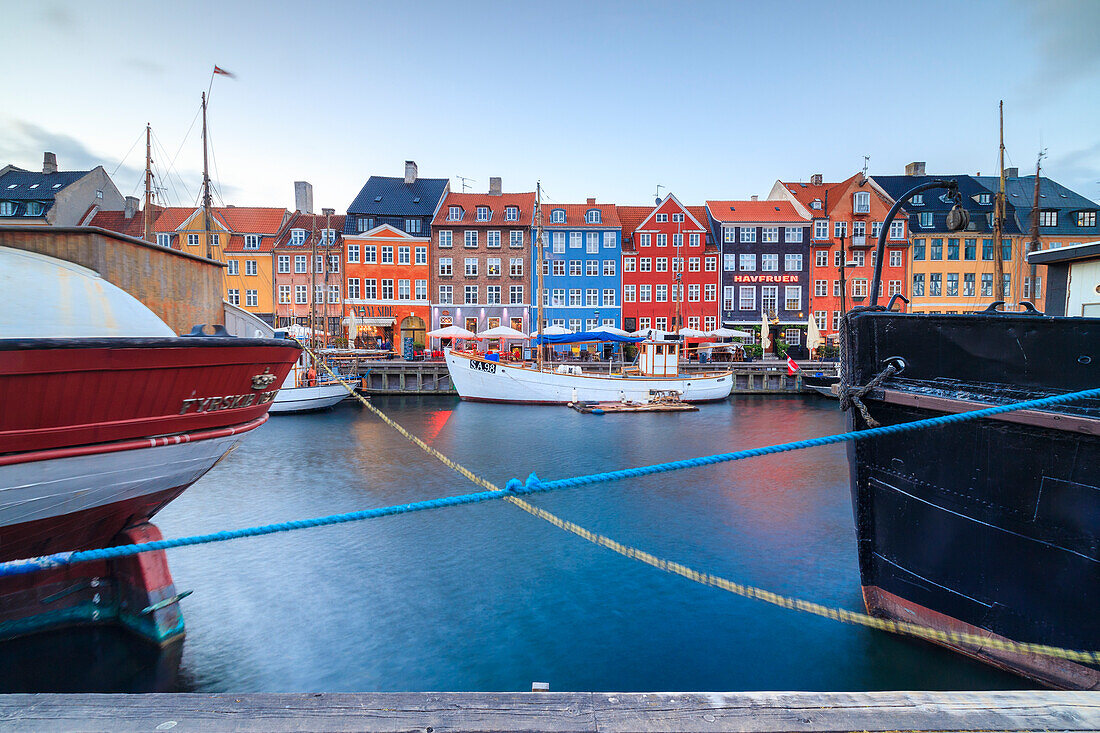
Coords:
848,214
670,269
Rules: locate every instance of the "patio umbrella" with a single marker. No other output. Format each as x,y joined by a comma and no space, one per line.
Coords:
451,332
609,329
730,333
552,331
503,332
653,334
693,333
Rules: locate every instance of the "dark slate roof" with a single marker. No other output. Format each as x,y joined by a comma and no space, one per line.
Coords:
15,185
969,187
383,196
1020,192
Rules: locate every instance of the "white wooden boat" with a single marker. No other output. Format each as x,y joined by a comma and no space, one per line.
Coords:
303,392
479,379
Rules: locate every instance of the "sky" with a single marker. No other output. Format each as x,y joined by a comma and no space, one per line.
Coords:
709,100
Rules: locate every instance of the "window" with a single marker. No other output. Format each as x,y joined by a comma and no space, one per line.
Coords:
840,229
592,268
792,297
471,267
769,262
492,267
792,336
297,236
370,289
769,234
300,264
836,258
470,238
492,295
446,238
300,294
250,267
575,268
660,294
234,268
1085,219
192,240
861,202
515,294
252,241
557,216
821,288
609,240
662,264
935,284
694,239
515,238
693,321
609,268
454,213
987,249
575,296
592,216
918,249
1007,285
952,285
334,293
677,218
353,288
821,229
559,242
859,287
894,288
559,267
559,296
710,292
421,255
511,213
968,284
591,297
792,234
729,234
662,218
970,249
403,291
727,297
575,325
660,323
729,262
387,289
769,298
593,243
987,284
693,264
404,255
471,294
693,292
819,319
1006,250
364,224
492,239
662,240
925,219
387,254
1038,287
1048,218
515,266
747,261
710,264
628,293
897,229
446,294
234,296
952,249
628,264
645,264
334,261
876,230
284,294
792,262
936,252
483,213
251,298
821,258
643,240
748,234
747,298
677,240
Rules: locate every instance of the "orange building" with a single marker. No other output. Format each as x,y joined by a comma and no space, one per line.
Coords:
386,288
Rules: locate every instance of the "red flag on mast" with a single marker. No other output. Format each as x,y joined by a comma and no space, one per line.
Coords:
223,72
791,366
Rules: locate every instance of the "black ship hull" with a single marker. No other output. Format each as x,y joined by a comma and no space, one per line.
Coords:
989,527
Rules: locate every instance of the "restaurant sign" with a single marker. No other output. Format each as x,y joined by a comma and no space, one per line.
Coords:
376,311
765,278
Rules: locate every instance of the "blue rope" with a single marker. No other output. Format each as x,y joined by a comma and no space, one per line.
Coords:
515,487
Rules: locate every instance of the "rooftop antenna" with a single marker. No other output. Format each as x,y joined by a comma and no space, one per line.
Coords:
866,164
464,179
658,199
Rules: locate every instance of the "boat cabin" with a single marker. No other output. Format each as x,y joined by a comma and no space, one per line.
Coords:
659,358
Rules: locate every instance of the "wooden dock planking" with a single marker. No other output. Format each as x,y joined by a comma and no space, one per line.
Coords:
566,712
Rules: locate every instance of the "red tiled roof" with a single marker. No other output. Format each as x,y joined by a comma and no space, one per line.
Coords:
252,219
700,214
754,211
165,219
313,224
575,215
631,217
827,193
470,201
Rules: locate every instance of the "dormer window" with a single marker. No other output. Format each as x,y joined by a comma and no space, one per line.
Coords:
511,213
983,199
328,236
1048,218
454,213
861,203
33,209
1086,218
297,236
816,204
252,241
7,208
557,216
592,216
926,219
917,200
164,240
483,213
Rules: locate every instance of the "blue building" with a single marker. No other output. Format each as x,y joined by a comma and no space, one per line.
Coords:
408,203
582,255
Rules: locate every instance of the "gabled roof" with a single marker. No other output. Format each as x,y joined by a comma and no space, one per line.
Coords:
165,220
631,217
755,212
252,219
496,203
686,209
16,184
313,224
932,202
807,193
385,196
575,216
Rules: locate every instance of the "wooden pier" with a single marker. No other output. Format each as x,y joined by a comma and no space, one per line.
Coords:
399,377
565,712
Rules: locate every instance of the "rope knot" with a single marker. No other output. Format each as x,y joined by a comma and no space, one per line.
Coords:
513,486
533,483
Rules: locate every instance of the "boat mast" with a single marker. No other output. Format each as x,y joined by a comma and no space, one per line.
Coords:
147,228
324,269
205,186
998,224
1035,245
313,282
538,268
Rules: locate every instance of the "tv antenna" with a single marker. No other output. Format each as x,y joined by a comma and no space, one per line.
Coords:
866,164
659,187
464,179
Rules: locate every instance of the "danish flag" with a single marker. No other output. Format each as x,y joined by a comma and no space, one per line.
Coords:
791,366
223,72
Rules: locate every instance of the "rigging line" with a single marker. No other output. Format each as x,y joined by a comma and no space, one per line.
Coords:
127,155
170,171
185,136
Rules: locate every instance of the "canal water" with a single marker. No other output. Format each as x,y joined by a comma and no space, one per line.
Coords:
488,598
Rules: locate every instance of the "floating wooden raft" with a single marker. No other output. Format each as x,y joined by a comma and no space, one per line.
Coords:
662,405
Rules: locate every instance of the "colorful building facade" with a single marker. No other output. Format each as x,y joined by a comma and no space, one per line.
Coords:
408,203
670,272
581,263
481,254
765,264
386,295
309,285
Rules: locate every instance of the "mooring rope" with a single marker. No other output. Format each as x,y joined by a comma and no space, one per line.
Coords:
514,489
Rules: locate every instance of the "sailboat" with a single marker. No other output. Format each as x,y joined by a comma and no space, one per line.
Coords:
657,373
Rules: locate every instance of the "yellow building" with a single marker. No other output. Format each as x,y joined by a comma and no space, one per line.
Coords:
249,256
954,272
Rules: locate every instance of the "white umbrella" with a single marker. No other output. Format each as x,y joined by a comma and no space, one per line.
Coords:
692,332
451,332
765,342
730,333
813,334
552,331
502,332
654,334
610,330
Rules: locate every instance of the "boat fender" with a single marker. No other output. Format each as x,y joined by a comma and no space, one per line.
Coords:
597,411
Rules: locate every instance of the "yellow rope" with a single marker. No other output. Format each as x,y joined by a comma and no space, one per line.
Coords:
746,591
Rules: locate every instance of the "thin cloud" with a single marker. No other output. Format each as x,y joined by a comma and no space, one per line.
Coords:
1066,48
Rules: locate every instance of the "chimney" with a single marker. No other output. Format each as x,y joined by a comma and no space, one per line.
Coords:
49,163
754,197
131,207
815,179
1012,172
591,201
328,212
494,185
410,172
303,197
916,168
